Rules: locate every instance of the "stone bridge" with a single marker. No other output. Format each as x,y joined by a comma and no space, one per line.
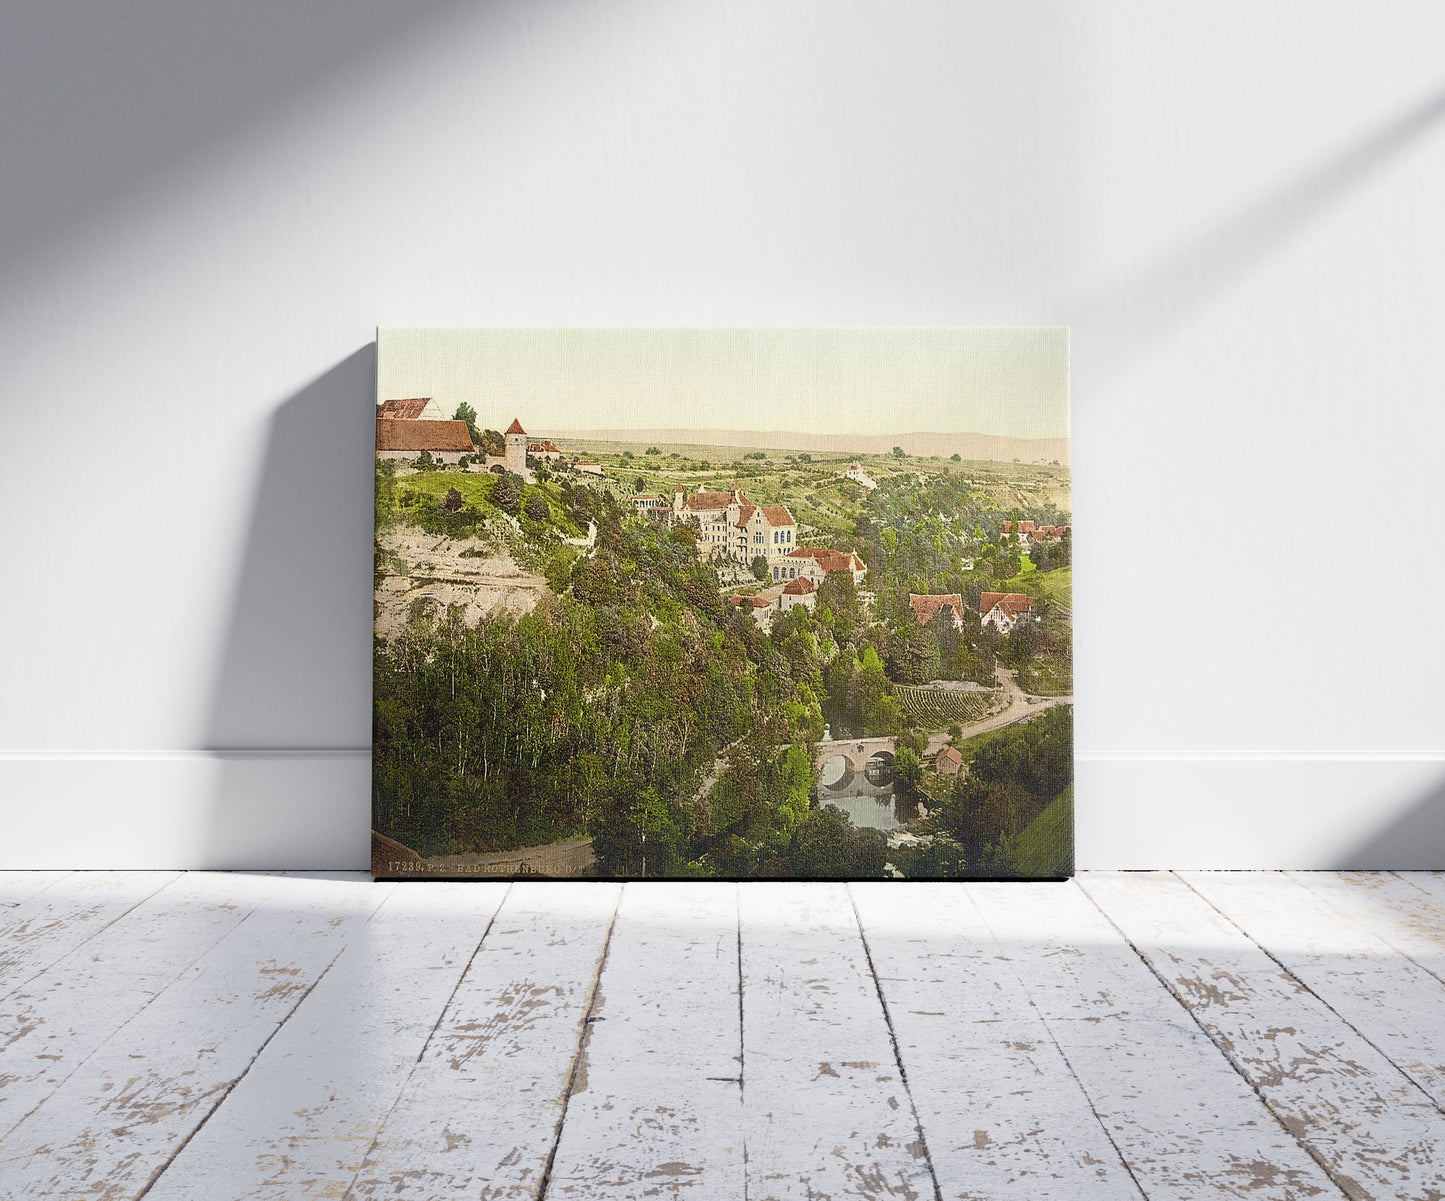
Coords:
858,762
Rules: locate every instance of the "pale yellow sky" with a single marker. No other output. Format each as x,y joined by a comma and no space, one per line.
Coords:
1006,380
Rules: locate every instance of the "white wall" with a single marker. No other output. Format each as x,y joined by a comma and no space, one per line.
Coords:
205,209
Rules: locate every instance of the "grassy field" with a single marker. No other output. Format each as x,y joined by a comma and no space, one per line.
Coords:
476,489
1046,847
1057,585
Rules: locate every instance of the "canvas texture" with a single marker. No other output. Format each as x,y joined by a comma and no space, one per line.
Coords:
723,603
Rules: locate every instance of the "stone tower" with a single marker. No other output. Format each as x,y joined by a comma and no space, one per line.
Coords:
517,449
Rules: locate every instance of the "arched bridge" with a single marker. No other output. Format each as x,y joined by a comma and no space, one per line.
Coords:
855,762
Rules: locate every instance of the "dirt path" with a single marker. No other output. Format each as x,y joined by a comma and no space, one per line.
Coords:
1018,706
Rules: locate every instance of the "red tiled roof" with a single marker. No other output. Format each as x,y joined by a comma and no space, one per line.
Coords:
949,755
709,500
1026,527
828,560
745,514
1012,603
549,447
925,608
423,435
778,515
403,410
515,427
800,587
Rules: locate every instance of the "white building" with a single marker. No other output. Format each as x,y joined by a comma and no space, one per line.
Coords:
858,476
445,441
816,563
730,526
1004,610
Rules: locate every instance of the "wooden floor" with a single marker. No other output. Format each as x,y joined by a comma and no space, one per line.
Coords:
1189,1035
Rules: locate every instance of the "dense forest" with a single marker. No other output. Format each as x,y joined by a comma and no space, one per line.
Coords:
636,706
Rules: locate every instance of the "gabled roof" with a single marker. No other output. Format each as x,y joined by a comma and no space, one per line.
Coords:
423,435
800,587
949,755
1012,603
549,447
515,427
403,410
778,515
926,608
828,560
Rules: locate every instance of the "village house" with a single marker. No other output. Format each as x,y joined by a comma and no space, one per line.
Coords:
1022,533
445,441
543,450
948,762
816,563
859,476
926,608
1004,610
415,408
587,466
1049,533
798,592
730,526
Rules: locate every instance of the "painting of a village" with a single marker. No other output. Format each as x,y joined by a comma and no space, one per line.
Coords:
723,603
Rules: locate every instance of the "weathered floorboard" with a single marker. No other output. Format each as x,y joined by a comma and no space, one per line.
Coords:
480,1113
1375,1131
16,887
1392,1002
123,1114
301,1120
826,1111
50,1025
656,1106
1186,1124
49,924
1002,1115
1405,909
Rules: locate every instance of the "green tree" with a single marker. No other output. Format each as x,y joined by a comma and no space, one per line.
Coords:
537,507
955,459
898,452
652,450
452,501
936,858
760,568
466,413
507,495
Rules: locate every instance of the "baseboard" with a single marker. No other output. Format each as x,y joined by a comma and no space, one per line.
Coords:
301,809
1321,811
275,809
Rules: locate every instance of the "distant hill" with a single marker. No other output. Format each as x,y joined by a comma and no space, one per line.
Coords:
967,446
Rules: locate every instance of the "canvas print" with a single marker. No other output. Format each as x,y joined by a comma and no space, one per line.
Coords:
723,603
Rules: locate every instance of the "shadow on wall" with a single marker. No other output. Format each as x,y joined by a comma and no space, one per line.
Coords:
290,720
118,96
1126,318
1413,841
